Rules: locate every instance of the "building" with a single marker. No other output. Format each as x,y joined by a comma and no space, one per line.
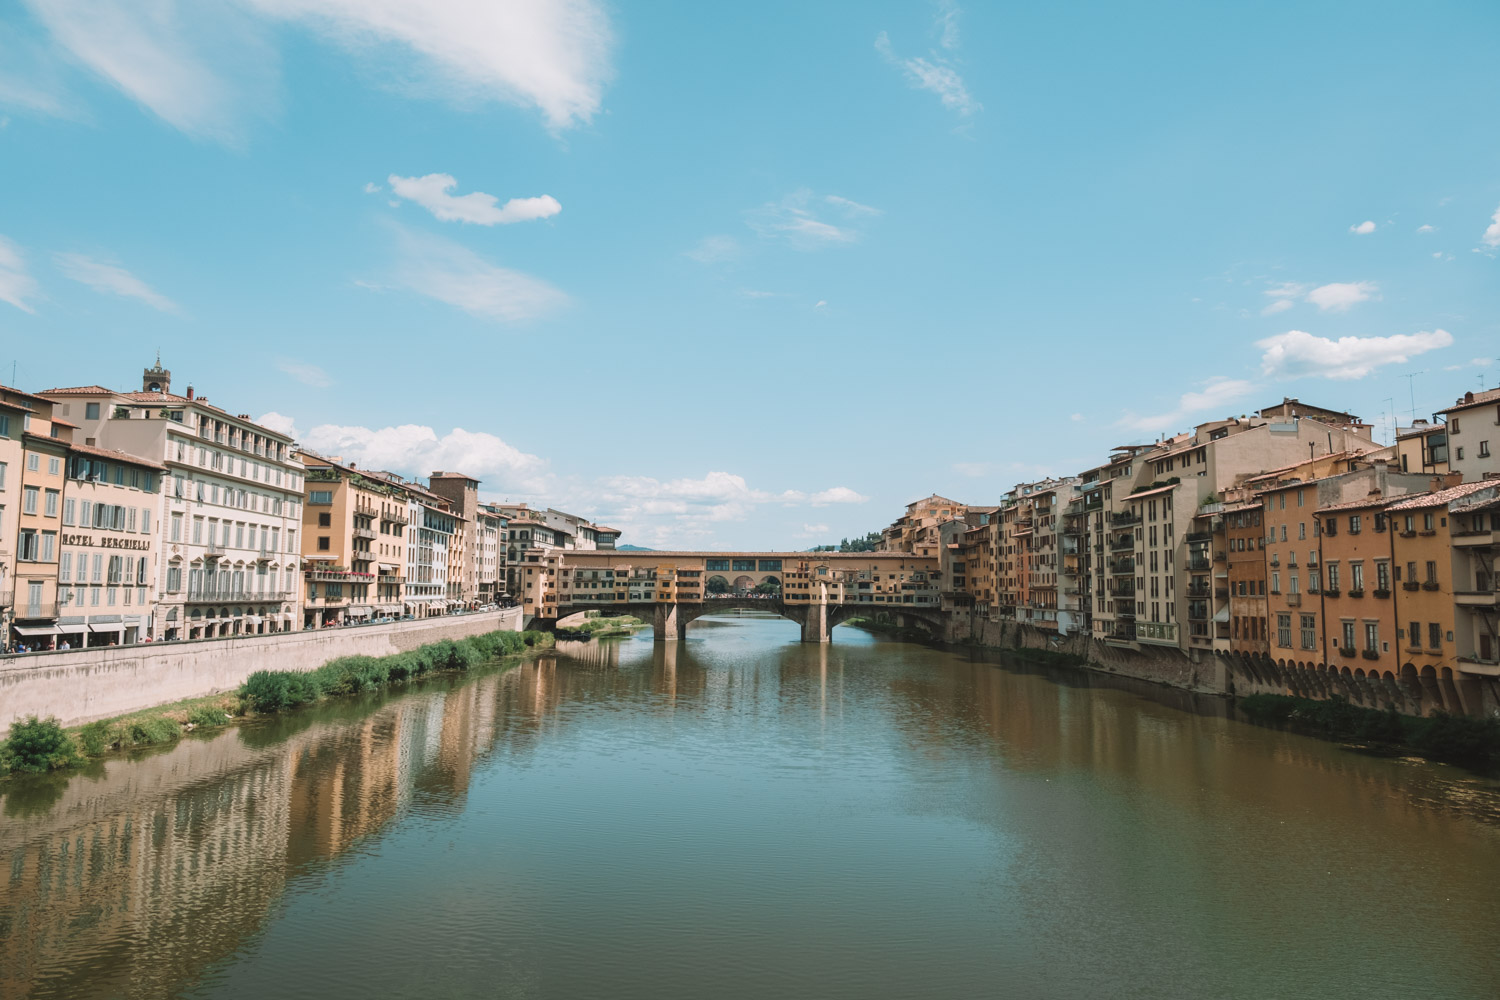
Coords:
489,577
230,505
1245,543
531,535
915,531
1473,432
429,558
39,441
1474,522
462,494
1423,447
108,548
353,543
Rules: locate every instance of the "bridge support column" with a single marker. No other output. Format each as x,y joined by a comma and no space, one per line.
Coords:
815,625
667,625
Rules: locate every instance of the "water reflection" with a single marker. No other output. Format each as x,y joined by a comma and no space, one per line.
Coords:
865,818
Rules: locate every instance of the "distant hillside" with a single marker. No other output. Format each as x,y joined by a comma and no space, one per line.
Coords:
632,548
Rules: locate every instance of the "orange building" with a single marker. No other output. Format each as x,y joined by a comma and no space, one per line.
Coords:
1245,535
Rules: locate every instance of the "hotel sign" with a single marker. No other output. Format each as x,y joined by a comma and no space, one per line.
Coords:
108,542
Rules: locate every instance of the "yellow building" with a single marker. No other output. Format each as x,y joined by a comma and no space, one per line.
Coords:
354,527
44,451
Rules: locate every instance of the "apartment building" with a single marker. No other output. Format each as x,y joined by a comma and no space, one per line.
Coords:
488,575
462,494
530,535
1475,531
231,505
353,543
108,548
1423,447
16,409
915,531
44,438
429,560
1245,542
1473,433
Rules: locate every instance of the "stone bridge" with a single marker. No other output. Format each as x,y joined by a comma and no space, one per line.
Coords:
817,590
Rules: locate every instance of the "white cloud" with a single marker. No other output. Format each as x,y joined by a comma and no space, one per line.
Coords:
1340,296
938,77
431,192
1364,228
947,24
448,272
1216,393
1491,237
414,450
205,68
16,283
1296,354
372,188
1280,305
1076,418
837,494
752,293
792,219
715,249
1427,229
279,422
974,470
111,279
305,373
821,304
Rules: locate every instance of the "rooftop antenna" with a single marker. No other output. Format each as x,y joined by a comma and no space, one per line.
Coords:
1392,409
1411,388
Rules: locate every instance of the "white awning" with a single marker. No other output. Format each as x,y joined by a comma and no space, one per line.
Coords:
361,609
253,619
111,627
37,629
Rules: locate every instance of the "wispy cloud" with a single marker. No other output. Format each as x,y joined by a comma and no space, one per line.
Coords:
307,374
414,450
1364,228
714,250
208,68
1427,229
1335,297
947,24
794,220
1216,393
432,193
935,75
1491,236
1297,354
444,270
111,279
17,286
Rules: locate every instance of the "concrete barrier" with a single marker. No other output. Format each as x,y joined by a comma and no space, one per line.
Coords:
81,685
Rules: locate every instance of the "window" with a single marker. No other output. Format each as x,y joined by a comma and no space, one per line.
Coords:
29,494
1432,572
1382,576
320,497
54,497
1484,449
1414,635
174,579
65,568
1276,581
1434,635
1349,636
323,543
33,461
1372,637
1284,630
1353,524
1356,576
1301,528
49,546
91,411
1309,631
54,466
325,520
1453,426
1427,523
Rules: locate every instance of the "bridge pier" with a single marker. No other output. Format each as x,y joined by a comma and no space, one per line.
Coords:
815,627
667,625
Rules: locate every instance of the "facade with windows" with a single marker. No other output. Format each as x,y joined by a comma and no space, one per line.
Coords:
35,487
354,526
230,505
1473,435
106,571
429,538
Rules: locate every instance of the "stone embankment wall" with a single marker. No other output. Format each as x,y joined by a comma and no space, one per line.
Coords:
81,685
1207,674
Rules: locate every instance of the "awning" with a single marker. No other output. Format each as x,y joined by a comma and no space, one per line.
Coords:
362,609
111,627
388,609
37,629
253,619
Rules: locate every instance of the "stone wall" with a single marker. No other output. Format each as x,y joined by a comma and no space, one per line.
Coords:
1202,672
81,685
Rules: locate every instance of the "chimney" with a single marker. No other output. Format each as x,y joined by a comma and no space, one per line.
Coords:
244,416
1437,484
190,392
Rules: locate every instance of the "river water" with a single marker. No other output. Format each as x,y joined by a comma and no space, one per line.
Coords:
742,815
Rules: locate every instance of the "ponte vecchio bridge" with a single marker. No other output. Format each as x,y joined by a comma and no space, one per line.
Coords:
817,590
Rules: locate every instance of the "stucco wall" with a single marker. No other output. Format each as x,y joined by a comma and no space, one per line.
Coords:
85,684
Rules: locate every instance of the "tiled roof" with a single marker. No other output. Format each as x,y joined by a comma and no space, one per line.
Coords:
1441,497
79,390
1375,500
19,392
157,397
1236,507
115,456
608,531
1152,493
1480,398
60,422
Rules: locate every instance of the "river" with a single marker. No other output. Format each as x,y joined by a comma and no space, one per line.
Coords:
742,815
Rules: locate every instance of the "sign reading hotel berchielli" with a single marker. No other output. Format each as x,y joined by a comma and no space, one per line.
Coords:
107,542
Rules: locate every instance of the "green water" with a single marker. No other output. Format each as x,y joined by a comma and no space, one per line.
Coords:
742,815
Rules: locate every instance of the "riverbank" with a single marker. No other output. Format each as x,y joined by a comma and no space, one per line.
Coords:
42,745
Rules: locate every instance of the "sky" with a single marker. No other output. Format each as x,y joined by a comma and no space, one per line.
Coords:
751,275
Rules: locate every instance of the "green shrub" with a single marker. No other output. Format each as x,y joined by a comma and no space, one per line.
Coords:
1455,739
206,717
97,737
150,731
37,745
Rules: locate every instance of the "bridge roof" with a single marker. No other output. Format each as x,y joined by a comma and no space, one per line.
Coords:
811,556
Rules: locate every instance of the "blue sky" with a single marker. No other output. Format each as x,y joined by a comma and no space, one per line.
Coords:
751,276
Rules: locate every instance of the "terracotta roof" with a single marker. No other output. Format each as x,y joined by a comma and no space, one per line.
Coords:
1237,507
116,456
1365,502
16,405
20,392
608,531
1441,497
79,390
1480,398
1151,493
60,422
157,397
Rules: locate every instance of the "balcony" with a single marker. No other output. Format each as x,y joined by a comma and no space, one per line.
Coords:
1157,633
1121,567
1370,654
395,517
1357,592
1122,544
1410,585
1477,598
359,556
1124,520
1382,594
27,610
366,533
1474,665
1476,539
1429,585
1294,600
1197,590
1198,536
1198,564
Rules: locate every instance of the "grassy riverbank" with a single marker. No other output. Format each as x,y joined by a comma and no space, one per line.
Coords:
38,745
1453,739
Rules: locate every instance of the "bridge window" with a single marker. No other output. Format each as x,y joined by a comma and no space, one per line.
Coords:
717,564
744,565
773,565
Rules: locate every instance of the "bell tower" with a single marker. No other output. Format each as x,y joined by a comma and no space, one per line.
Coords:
156,378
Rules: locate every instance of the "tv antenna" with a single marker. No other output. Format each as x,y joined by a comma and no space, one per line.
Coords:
1411,388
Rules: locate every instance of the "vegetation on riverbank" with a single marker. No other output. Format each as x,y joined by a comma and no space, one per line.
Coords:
1454,739
36,745
1047,657
890,628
